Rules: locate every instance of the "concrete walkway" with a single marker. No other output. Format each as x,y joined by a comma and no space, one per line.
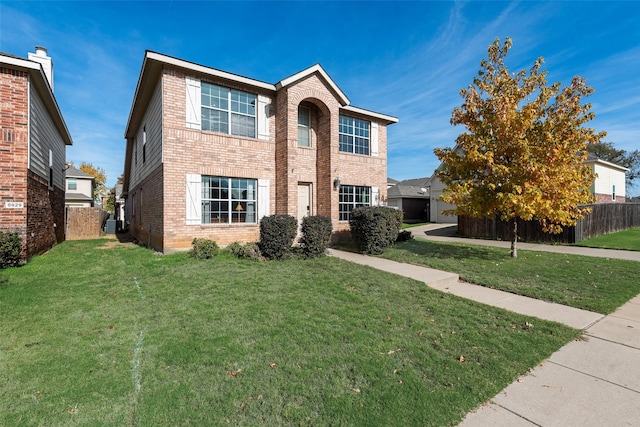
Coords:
592,382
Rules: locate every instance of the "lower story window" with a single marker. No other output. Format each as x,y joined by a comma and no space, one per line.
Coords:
353,196
228,200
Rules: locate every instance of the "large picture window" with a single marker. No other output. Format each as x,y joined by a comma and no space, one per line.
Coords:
228,110
228,200
351,197
354,135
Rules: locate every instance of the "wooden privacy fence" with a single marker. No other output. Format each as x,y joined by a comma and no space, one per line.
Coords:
604,218
84,223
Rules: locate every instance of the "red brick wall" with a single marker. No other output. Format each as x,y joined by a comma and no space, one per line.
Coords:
606,198
45,215
147,222
14,149
189,151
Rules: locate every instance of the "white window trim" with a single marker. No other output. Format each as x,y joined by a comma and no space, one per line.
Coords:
193,200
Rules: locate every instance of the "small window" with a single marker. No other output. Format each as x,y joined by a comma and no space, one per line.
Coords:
72,183
304,126
144,144
613,192
50,170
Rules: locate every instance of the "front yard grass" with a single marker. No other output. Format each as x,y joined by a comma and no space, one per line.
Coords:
626,240
596,284
94,333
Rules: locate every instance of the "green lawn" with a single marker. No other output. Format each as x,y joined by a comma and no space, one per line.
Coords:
93,334
595,284
627,240
406,225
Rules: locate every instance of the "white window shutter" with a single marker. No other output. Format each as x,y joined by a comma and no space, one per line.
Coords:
194,199
375,196
263,198
374,139
193,103
263,117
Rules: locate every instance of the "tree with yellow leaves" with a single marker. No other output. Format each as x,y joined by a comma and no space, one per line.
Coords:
100,179
523,151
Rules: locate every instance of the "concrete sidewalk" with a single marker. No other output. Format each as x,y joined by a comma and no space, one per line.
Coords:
593,382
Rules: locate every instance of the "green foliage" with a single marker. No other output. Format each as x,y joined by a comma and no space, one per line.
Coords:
316,235
276,235
404,235
247,251
373,228
204,248
10,249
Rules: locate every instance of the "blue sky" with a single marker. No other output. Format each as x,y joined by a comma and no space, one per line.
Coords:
405,59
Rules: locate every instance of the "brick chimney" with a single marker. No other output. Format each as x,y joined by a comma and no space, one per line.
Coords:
46,62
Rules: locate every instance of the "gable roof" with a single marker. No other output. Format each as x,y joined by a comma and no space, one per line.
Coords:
40,82
410,188
591,159
317,68
72,172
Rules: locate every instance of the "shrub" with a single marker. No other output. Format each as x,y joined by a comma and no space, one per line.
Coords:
404,236
276,235
374,228
204,248
316,235
246,251
10,249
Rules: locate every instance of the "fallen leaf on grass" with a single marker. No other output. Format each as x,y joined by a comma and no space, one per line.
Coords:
273,365
355,390
461,358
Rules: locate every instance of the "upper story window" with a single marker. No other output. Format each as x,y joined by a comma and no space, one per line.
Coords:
354,135
72,183
228,110
304,126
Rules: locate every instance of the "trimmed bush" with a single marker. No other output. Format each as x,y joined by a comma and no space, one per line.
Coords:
246,251
10,249
316,235
204,248
276,235
374,228
404,236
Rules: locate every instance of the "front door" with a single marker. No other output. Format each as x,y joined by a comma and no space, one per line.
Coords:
304,201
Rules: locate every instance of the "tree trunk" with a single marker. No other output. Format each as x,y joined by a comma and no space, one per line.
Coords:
514,240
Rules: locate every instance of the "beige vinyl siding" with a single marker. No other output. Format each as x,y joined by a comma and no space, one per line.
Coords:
152,123
44,137
607,178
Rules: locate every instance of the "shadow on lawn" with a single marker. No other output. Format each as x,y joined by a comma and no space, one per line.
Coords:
449,251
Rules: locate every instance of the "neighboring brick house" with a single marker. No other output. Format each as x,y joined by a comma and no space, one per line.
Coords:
79,188
209,153
32,152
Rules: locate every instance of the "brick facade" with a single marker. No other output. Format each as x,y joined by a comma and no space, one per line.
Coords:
40,219
275,158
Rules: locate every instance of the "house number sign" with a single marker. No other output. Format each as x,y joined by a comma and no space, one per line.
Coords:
14,205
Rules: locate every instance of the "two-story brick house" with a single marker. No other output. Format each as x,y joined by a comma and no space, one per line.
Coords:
209,153
33,145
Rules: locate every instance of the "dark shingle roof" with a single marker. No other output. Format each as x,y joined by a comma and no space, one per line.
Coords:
410,188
